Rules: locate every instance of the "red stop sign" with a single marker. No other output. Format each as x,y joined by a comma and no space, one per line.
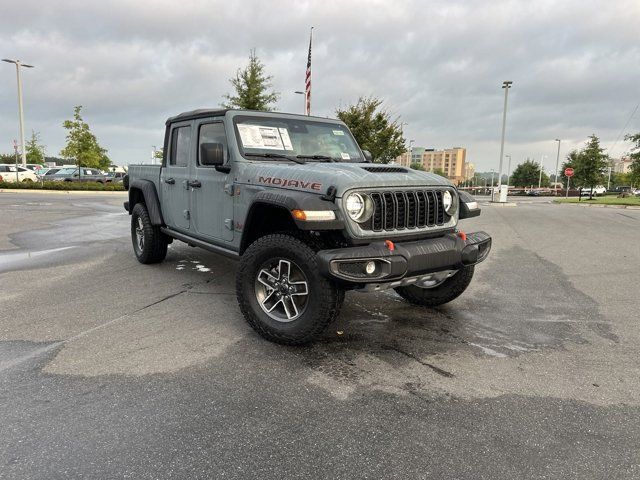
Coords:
568,172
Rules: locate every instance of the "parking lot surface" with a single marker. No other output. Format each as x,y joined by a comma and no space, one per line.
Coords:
109,368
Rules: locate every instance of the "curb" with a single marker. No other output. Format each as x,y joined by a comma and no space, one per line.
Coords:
597,205
61,192
499,204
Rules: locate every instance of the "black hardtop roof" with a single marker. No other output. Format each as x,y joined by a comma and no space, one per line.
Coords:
214,112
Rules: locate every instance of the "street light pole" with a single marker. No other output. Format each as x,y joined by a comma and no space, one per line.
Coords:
411,142
540,179
506,85
305,99
19,64
555,186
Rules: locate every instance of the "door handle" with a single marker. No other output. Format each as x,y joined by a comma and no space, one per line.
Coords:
195,184
170,181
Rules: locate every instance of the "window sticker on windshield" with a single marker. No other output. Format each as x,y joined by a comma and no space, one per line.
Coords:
286,141
345,156
256,136
338,132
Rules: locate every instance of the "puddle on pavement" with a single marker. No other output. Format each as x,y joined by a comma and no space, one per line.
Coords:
381,342
16,260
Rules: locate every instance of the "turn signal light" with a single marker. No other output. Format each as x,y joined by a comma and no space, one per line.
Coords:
390,245
299,215
462,235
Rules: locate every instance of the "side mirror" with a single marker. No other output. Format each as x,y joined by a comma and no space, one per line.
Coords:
367,156
211,154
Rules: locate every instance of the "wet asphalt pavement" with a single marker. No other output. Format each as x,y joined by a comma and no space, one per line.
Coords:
112,369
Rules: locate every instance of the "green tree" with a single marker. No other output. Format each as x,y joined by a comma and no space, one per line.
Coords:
417,166
7,158
528,174
373,129
252,87
590,165
634,169
82,146
34,150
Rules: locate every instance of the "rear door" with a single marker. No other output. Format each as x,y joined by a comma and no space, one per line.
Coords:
211,202
175,176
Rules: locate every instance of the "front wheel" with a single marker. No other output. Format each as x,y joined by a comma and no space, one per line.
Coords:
281,292
440,294
149,243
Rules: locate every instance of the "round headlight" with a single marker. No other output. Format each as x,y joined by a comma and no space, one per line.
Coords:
449,203
357,207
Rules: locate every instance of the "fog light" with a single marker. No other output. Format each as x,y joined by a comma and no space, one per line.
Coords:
370,268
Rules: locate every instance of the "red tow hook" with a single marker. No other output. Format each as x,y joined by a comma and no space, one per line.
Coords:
390,245
462,235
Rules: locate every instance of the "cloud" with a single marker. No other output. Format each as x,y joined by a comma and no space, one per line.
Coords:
438,65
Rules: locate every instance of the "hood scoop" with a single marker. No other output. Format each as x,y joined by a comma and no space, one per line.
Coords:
385,169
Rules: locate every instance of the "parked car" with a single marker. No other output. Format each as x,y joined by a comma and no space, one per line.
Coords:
306,213
597,190
46,173
72,175
8,173
115,177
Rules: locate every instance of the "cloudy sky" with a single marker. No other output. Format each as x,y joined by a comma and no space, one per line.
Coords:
438,65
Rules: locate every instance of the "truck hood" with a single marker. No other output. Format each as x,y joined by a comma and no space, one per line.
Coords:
317,177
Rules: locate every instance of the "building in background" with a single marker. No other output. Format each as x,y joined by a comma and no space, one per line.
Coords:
469,170
451,161
622,165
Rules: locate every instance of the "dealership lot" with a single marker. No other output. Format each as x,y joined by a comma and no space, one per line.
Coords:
109,368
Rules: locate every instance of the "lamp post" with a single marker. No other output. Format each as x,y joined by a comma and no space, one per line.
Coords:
540,179
411,142
508,171
19,64
506,85
305,99
555,186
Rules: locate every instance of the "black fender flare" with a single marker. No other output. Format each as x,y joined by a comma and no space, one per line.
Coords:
292,200
146,190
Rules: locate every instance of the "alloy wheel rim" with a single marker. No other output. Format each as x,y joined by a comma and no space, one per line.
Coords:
140,234
282,290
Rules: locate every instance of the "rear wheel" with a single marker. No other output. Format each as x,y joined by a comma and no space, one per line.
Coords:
149,243
281,292
442,293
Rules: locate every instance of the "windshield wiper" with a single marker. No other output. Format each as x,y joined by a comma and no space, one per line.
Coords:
316,157
275,155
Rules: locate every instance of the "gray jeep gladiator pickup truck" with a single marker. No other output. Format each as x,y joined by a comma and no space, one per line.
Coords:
307,214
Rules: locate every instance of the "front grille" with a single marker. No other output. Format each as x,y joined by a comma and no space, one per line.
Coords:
406,209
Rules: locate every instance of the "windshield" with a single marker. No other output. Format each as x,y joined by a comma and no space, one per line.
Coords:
310,140
67,171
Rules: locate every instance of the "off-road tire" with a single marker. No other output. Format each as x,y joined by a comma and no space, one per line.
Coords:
448,290
154,249
324,301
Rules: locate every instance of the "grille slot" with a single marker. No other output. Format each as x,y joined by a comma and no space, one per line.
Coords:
403,210
385,169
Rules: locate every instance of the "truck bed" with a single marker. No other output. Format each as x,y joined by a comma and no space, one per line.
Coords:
145,172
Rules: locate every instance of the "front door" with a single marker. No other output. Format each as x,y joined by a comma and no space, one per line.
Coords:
211,201
175,177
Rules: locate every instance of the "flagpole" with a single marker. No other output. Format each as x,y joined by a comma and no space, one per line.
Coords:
307,79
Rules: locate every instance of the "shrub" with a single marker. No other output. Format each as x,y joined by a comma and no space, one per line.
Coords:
66,186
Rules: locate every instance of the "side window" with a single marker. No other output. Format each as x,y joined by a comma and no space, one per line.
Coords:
180,144
213,133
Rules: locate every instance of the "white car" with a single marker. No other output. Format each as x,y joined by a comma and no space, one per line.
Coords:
597,190
8,173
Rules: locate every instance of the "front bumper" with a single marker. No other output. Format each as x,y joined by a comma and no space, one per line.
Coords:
407,263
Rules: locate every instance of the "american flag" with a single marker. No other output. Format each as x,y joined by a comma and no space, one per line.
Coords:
307,80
